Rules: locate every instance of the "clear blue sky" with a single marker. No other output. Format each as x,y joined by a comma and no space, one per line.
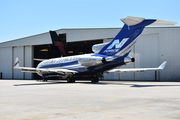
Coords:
22,18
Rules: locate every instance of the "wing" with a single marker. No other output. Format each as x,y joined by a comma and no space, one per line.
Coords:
49,70
61,71
37,59
35,70
139,69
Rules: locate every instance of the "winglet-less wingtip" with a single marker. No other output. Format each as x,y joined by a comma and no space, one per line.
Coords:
162,65
16,64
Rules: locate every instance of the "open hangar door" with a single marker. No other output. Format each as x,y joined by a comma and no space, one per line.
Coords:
49,51
82,47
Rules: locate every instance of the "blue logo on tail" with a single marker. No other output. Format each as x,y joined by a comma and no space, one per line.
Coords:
115,46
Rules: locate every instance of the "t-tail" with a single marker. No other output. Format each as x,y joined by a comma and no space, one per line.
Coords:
58,43
123,42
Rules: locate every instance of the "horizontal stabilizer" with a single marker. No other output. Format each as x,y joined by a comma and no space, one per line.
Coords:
161,22
130,21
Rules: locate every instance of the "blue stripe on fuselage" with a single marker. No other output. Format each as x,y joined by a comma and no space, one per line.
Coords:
59,64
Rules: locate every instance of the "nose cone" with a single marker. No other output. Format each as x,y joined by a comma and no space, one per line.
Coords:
128,60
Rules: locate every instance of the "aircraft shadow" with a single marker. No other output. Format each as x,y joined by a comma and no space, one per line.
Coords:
43,83
99,83
51,83
154,85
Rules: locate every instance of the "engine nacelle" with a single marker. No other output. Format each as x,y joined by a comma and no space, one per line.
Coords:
97,47
91,61
128,60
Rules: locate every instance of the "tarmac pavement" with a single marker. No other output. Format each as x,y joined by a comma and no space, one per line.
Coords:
106,100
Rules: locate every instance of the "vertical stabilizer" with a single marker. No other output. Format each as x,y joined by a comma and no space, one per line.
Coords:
58,43
123,42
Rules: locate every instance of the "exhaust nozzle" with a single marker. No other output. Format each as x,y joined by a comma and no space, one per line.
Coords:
128,60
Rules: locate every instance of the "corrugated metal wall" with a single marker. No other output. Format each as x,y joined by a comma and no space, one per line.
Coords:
8,56
6,62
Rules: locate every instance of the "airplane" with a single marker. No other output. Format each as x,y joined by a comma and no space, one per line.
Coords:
105,59
58,44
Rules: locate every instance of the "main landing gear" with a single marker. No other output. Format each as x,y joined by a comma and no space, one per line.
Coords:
45,80
95,79
70,80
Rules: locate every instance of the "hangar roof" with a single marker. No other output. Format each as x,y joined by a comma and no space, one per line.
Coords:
72,35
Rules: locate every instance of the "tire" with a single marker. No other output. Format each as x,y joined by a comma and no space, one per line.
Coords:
95,79
70,80
45,80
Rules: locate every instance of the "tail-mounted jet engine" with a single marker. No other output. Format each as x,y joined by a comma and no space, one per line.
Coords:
91,61
128,60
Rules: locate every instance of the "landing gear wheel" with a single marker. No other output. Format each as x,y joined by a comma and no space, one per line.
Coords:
95,79
45,80
70,80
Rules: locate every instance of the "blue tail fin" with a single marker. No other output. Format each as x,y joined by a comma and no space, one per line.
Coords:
123,42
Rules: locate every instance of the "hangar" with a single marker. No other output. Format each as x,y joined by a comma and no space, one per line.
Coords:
154,45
